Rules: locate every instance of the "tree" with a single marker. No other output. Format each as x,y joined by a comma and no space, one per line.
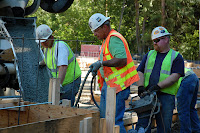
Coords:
180,17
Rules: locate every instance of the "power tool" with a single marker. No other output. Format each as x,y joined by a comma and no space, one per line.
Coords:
146,106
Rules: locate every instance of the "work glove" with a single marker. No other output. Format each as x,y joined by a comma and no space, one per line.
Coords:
61,89
154,88
95,66
42,64
141,89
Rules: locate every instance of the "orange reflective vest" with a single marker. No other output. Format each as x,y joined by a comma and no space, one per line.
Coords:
118,77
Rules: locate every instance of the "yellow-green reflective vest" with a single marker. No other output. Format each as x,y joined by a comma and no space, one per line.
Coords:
164,72
51,63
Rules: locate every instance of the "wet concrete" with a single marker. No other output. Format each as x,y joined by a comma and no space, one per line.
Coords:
34,80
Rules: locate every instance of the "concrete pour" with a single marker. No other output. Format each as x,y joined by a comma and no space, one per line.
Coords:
34,80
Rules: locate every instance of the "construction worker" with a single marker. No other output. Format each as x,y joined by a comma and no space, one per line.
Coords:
115,64
160,70
186,99
61,61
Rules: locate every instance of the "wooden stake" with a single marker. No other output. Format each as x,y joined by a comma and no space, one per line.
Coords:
66,103
81,128
117,129
54,91
87,122
50,90
102,128
110,109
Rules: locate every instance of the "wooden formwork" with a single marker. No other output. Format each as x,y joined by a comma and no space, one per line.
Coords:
46,119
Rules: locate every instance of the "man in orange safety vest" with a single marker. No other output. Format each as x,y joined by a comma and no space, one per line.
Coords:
115,67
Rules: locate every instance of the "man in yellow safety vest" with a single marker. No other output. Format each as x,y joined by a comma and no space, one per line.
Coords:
160,70
61,62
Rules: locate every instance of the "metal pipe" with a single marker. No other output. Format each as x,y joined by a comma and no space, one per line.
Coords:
24,105
11,69
9,97
13,49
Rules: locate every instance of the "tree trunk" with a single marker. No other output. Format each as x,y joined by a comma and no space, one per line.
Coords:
137,26
106,8
163,12
143,31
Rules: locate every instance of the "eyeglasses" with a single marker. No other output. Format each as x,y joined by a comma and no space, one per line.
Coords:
158,40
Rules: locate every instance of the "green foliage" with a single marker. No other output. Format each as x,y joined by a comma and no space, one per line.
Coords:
189,47
181,20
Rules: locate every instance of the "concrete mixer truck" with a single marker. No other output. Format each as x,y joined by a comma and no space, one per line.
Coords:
19,52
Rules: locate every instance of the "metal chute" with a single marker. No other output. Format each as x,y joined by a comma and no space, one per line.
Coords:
33,8
53,6
17,8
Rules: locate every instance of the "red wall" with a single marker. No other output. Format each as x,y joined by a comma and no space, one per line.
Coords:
90,50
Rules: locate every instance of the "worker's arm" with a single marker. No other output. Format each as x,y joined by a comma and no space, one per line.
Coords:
169,80
115,62
62,72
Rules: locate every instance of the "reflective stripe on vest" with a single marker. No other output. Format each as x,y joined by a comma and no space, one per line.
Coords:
118,77
164,72
51,63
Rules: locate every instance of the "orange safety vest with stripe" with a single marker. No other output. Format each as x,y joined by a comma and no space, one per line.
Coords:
118,77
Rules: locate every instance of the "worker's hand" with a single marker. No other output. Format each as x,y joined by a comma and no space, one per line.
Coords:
61,89
42,64
95,66
94,74
154,88
141,89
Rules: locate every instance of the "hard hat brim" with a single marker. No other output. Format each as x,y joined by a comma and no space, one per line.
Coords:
39,41
107,18
168,34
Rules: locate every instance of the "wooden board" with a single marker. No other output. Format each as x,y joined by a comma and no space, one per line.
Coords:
47,119
110,109
7,55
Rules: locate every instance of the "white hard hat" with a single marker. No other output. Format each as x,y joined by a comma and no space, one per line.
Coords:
43,32
96,20
159,32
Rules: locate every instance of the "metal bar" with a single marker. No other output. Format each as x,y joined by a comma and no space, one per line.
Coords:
9,97
25,105
44,39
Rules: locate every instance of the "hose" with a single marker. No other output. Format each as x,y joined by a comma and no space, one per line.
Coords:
80,92
92,92
81,89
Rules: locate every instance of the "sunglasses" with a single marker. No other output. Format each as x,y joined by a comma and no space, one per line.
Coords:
158,40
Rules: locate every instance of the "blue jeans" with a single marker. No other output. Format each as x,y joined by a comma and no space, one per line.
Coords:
68,90
120,106
186,98
163,118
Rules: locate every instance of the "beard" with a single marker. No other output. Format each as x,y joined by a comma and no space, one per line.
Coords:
156,47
